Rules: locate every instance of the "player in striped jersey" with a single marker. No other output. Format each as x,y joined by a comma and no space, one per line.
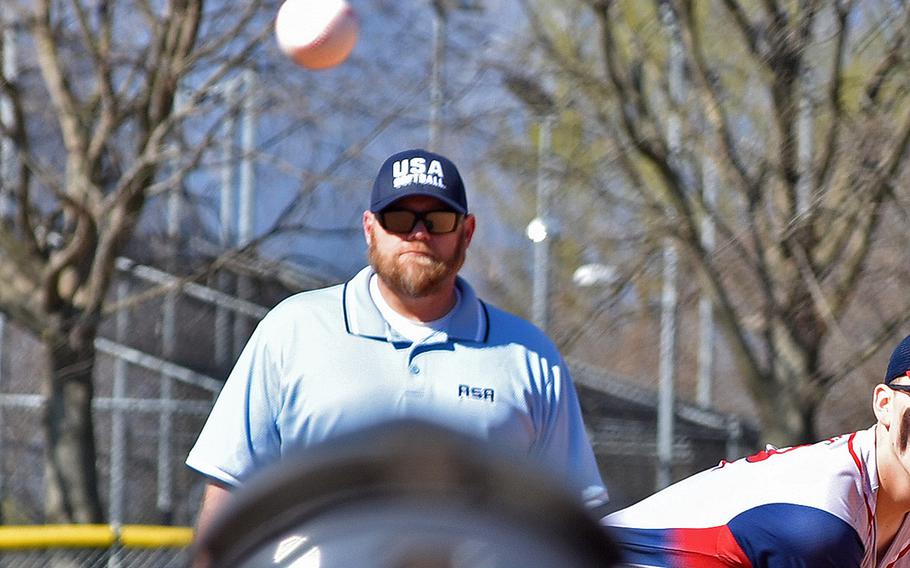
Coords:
842,502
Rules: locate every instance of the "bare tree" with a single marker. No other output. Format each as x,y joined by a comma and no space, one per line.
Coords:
803,111
92,128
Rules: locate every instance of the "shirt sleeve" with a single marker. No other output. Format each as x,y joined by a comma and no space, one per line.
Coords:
773,535
241,434
562,441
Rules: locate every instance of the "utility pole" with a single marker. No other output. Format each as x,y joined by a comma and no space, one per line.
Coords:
441,11
669,302
437,76
237,211
705,386
246,214
227,214
10,70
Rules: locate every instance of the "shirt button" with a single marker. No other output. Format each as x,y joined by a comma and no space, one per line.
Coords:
415,370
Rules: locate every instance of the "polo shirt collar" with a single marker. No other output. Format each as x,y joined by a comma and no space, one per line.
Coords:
470,321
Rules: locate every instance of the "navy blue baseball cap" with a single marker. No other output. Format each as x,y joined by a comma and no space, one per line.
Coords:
900,361
418,172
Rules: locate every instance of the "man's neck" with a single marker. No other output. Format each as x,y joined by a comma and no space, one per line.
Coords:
427,308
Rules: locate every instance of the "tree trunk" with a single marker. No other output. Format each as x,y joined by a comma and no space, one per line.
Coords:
71,479
786,420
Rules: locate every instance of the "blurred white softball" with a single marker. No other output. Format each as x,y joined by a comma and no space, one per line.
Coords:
317,34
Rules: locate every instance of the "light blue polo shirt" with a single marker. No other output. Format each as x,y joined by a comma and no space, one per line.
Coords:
324,363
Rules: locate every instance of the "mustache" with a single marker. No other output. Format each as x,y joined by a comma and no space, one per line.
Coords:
421,250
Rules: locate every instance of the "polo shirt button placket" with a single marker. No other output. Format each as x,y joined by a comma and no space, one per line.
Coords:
413,367
415,377
415,386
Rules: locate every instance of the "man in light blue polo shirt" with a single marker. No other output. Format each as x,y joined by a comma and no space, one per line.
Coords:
405,338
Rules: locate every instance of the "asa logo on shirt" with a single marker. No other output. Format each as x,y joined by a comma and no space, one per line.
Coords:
416,170
479,393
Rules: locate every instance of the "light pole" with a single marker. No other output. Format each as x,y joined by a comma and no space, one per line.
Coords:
541,228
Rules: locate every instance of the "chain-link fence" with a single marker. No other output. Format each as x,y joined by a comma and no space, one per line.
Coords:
148,407
95,558
155,368
155,385
137,485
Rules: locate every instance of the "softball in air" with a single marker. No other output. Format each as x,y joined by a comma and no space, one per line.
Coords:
317,34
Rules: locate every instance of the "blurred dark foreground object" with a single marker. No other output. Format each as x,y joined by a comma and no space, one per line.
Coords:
405,495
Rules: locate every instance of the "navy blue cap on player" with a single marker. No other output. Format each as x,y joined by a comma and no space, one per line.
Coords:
900,361
418,172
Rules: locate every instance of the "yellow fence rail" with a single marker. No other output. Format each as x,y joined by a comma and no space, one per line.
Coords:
94,546
20,537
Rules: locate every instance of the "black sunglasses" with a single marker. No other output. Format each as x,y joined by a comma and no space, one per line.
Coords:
902,388
404,220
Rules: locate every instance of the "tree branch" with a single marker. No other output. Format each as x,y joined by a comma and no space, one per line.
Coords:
745,27
825,170
100,52
712,104
63,98
889,66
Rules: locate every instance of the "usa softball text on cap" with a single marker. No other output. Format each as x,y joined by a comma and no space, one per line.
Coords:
418,172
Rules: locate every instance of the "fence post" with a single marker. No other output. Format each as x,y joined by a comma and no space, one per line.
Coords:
168,350
118,421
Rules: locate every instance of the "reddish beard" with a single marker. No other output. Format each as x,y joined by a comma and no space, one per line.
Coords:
415,276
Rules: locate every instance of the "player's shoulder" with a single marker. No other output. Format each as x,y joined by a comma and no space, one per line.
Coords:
823,476
844,452
831,475
806,473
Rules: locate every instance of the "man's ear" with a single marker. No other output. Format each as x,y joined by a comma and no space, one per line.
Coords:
882,404
469,226
368,220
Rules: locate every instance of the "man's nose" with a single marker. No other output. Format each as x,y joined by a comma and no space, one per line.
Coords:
420,231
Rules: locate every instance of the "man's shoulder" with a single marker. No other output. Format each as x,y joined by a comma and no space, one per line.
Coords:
508,327
307,303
